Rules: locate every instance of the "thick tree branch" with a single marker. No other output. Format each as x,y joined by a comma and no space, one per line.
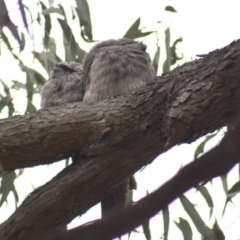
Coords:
115,137
180,106
216,162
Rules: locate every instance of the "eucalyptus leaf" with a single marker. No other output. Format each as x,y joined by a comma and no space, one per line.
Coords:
205,193
5,21
166,220
47,27
133,30
218,231
85,20
155,62
7,185
23,14
185,228
205,231
170,9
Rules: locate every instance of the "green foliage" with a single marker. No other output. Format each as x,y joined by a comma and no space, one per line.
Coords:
171,52
205,193
166,222
5,21
206,232
84,17
185,228
170,9
7,186
146,229
135,32
218,231
6,101
47,26
200,149
156,59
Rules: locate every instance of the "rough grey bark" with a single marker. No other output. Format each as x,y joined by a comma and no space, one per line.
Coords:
216,162
116,137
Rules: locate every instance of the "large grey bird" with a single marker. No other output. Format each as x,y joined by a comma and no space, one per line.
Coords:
110,69
115,67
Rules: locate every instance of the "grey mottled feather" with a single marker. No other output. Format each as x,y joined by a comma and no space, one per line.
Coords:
115,67
66,85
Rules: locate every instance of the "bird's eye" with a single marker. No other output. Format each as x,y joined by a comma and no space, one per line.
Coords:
65,67
143,46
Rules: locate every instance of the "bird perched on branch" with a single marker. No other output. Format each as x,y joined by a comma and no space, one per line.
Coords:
110,69
66,85
115,67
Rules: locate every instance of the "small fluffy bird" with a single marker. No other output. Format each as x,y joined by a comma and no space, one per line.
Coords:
66,85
